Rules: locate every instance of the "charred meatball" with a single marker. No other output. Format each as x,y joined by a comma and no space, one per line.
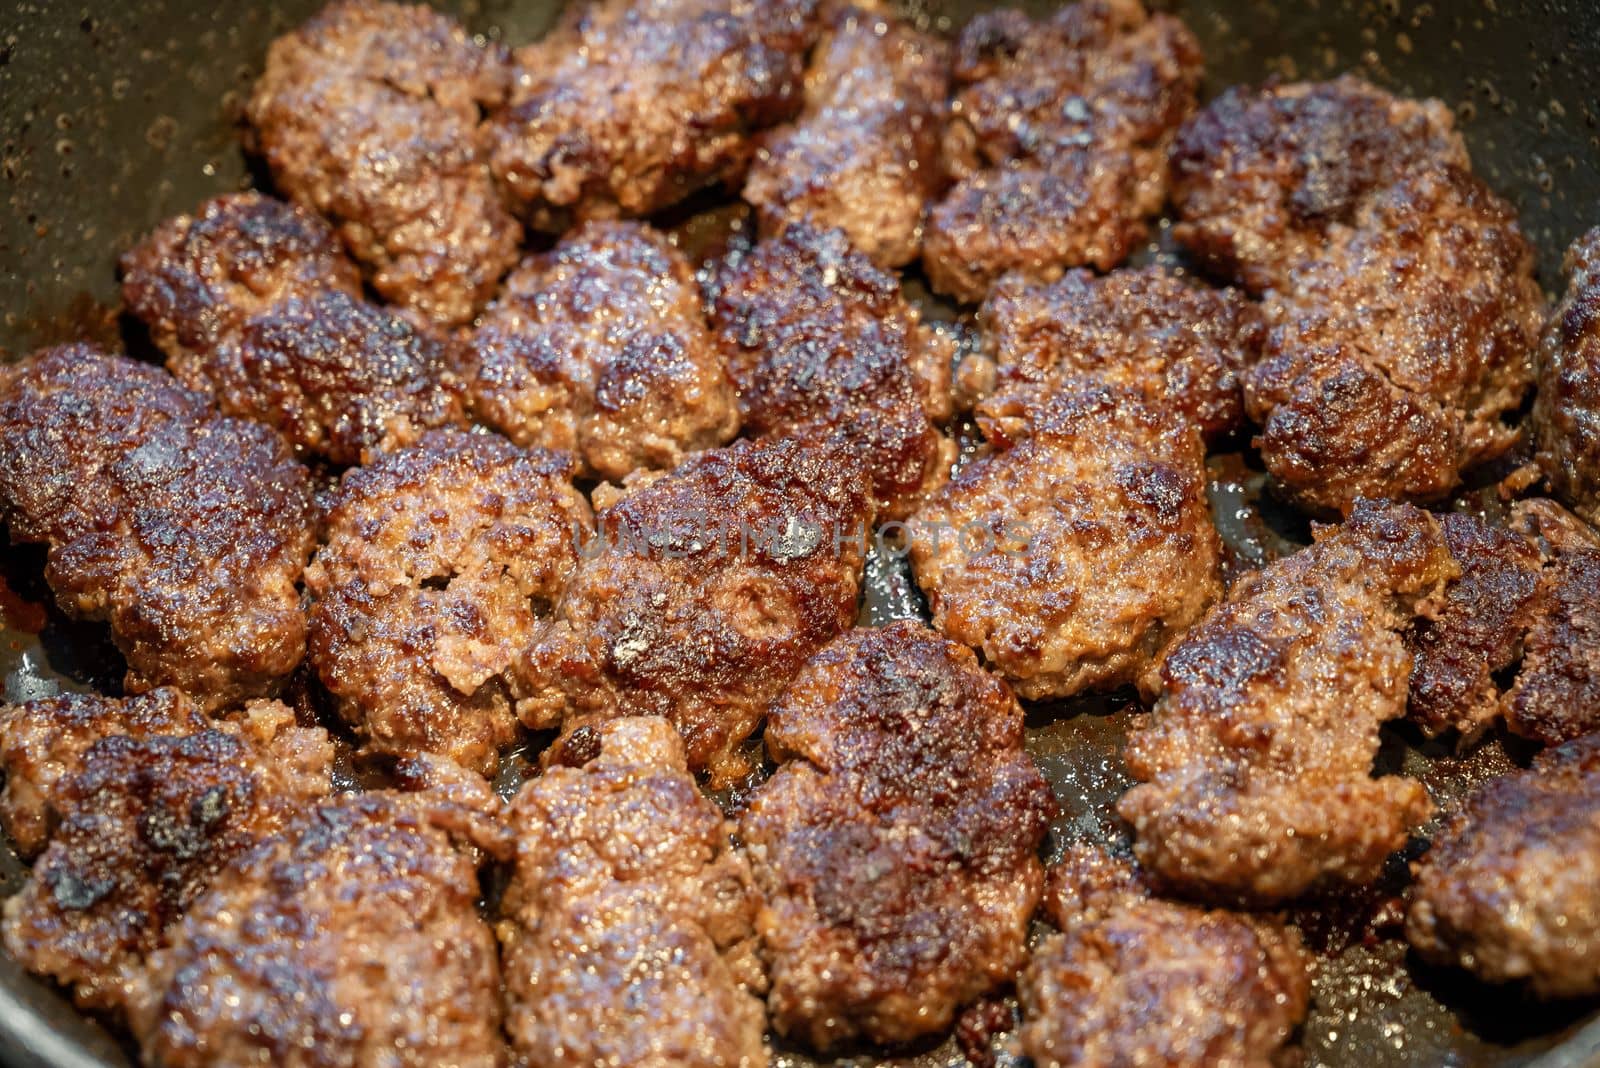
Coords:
441,562
1058,134
370,114
705,590
896,844
864,154
1256,764
1511,888
1566,410
1078,546
628,931
600,347
185,531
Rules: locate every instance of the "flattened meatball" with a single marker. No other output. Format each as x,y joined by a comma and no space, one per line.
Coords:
1256,764
706,591
440,563
1556,696
1071,555
1133,979
629,106
1511,888
822,344
1059,134
185,531
896,844
628,935
1566,409
370,114
601,348
864,155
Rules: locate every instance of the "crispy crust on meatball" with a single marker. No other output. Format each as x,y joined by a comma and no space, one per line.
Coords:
1556,696
1566,409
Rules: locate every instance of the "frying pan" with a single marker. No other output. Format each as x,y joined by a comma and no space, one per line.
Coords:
115,114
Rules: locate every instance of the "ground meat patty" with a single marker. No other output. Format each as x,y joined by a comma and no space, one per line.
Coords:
369,113
441,561
600,347
1071,554
1134,980
351,938
628,931
185,531
1556,696
1256,764
864,154
1566,410
822,344
1511,888
708,589
141,822
1058,134
629,106
896,844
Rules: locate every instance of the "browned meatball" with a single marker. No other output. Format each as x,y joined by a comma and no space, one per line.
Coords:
1059,134
1556,696
351,938
897,842
1134,980
706,591
629,106
864,154
1566,410
628,931
440,564
1256,765
1071,553
600,347
1511,888
141,822
185,531
822,344
370,114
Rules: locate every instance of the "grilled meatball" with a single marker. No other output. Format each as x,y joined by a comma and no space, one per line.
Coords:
1134,980
629,106
1059,135
1566,410
185,531
370,114
601,348
1556,696
351,938
896,844
822,344
1072,552
1256,765
864,154
628,931
141,822
1510,889
706,590
441,561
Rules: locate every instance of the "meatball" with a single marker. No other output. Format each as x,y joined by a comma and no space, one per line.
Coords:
1071,554
441,562
352,937
185,531
629,106
1133,979
896,844
629,919
864,154
141,823
1556,696
1511,888
823,344
704,592
600,347
370,114
1058,134
1255,768
1566,409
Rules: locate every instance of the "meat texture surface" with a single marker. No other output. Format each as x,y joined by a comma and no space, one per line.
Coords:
1566,409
